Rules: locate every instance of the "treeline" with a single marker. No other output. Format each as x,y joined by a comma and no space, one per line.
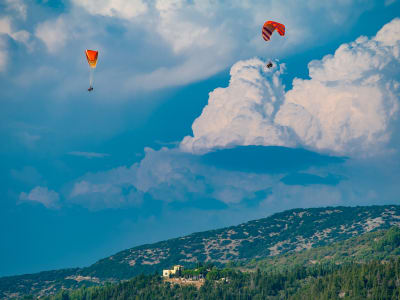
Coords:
373,280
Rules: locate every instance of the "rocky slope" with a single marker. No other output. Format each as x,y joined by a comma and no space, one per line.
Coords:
286,232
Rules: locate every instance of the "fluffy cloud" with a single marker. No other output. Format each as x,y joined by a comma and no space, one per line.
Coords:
347,107
166,175
351,99
242,113
43,195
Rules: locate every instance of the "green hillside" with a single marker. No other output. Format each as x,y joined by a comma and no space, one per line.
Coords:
358,275
285,232
372,280
274,238
382,245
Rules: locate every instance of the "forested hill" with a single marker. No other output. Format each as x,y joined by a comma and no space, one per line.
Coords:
292,230
372,280
289,231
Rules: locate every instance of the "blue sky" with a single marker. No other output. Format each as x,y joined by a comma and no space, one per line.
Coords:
186,129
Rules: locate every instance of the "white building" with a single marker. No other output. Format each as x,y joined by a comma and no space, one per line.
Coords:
176,269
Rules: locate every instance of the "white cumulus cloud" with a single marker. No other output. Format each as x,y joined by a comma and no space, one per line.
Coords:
347,107
242,113
348,104
43,195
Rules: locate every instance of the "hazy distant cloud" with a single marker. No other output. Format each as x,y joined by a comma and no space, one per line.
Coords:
389,2
53,33
284,197
28,139
3,54
167,175
21,36
97,196
347,107
43,195
5,25
162,143
18,6
188,71
27,174
113,8
88,154
109,189
178,178
183,33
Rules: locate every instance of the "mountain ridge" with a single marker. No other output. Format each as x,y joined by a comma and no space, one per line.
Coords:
284,232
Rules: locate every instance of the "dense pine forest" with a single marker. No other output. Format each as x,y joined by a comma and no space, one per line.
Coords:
373,280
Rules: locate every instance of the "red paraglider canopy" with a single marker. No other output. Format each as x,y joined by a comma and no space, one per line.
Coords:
91,56
269,27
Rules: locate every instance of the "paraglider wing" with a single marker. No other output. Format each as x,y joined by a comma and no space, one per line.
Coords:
269,27
91,56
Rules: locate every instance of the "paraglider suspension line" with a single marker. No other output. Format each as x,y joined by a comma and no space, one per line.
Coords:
91,72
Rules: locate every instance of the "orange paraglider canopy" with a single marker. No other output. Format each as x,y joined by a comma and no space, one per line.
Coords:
91,56
269,27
